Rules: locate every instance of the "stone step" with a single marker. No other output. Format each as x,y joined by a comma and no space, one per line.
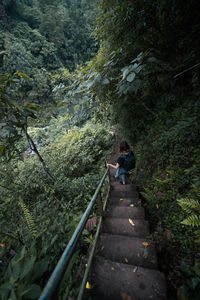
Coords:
117,281
130,250
116,186
123,194
120,226
125,212
124,201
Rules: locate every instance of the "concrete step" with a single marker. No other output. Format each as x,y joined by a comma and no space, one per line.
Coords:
130,250
123,201
120,226
125,212
117,281
124,194
116,186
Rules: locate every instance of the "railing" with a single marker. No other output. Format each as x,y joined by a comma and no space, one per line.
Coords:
63,264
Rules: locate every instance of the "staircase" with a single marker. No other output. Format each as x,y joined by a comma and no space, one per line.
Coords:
125,264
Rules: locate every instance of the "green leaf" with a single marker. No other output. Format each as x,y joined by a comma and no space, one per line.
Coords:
105,81
2,149
28,265
125,72
6,286
16,271
39,268
59,104
34,291
90,84
13,295
138,69
33,106
53,240
130,77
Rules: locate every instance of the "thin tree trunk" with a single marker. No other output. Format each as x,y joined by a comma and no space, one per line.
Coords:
34,149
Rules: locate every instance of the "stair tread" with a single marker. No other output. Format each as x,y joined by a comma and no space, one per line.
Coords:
123,201
132,250
126,226
124,193
110,280
125,211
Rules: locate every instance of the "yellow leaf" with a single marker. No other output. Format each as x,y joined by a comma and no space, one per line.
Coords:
2,245
121,199
138,255
132,205
145,244
157,206
131,222
126,260
88,286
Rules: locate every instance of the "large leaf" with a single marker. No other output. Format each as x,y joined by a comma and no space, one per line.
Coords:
28,265
34,291
125,72
130,77
105,81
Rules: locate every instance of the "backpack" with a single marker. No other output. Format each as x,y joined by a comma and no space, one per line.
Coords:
129,161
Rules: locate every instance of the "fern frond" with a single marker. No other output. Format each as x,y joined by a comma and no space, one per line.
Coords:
189,205
29,218
192,220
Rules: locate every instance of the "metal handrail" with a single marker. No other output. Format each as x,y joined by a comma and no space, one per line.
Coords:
64,260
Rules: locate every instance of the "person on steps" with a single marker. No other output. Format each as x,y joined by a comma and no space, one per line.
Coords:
125,162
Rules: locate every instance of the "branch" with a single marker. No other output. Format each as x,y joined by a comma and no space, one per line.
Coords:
186,70
34,149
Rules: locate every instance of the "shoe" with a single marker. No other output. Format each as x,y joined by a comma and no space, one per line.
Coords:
122,183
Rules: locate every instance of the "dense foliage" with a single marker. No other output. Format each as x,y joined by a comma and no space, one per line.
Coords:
39,37
38,217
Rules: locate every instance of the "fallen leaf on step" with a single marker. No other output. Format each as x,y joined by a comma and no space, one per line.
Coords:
132,205
135,269
145,244
112,268
138,255
131,222
121,199
126,260
125,296
88,286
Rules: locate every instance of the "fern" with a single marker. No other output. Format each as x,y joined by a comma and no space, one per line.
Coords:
192,220
191,207
29,218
